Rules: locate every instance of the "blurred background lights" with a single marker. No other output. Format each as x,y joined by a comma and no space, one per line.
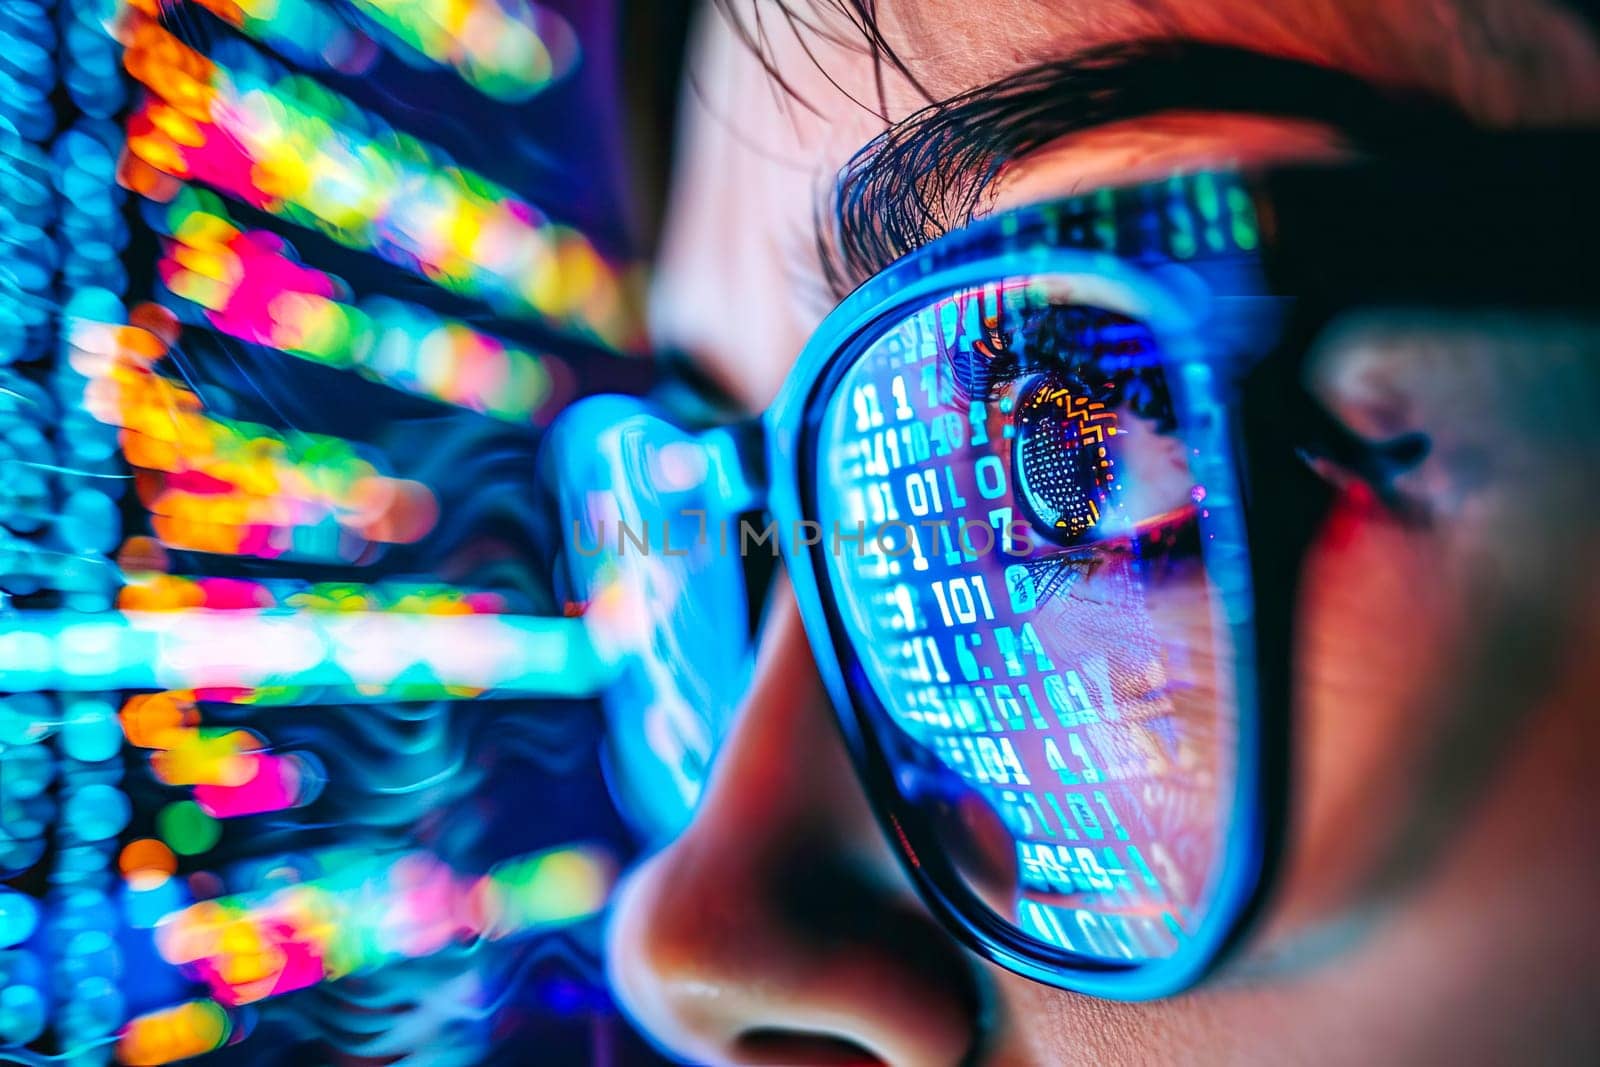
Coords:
279,335
286,145
364,912
176,1033
187,828
509,49
19,917
307,313
174,650
306,31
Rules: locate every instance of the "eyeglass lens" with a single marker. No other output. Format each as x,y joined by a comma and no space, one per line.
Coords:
1015,543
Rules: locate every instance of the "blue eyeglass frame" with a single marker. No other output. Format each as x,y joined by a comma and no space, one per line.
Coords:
1200,326
1234,311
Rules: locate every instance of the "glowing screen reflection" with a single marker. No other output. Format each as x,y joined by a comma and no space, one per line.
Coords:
1032,606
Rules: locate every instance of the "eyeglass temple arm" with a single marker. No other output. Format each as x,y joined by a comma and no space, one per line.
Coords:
1321,437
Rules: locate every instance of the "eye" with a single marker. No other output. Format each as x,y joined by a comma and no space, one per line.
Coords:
1062,460
1095,454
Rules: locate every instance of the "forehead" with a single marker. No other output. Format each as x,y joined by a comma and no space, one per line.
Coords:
738,285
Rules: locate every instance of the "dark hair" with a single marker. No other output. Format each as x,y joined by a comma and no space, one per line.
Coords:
927,173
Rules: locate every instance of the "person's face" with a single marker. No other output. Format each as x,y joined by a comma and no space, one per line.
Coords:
1441,858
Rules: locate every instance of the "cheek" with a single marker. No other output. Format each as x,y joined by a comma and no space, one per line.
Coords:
1378,620
1050,1026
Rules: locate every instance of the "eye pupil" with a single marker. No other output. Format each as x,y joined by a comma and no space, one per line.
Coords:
1063,470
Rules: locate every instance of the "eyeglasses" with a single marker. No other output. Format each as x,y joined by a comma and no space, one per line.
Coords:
1042,492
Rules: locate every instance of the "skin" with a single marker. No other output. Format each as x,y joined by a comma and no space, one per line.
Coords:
1436,904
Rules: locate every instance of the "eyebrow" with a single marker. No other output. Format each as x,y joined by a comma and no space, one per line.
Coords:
926,174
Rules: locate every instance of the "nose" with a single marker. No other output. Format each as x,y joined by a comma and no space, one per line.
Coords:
778,929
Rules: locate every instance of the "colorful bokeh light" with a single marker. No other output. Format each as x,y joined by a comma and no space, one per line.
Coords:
365,911
251,286
285,144
508,49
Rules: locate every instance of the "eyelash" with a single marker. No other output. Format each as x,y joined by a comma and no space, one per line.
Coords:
1158,545
1100,355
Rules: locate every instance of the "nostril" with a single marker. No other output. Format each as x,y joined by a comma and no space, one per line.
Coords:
768,1047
